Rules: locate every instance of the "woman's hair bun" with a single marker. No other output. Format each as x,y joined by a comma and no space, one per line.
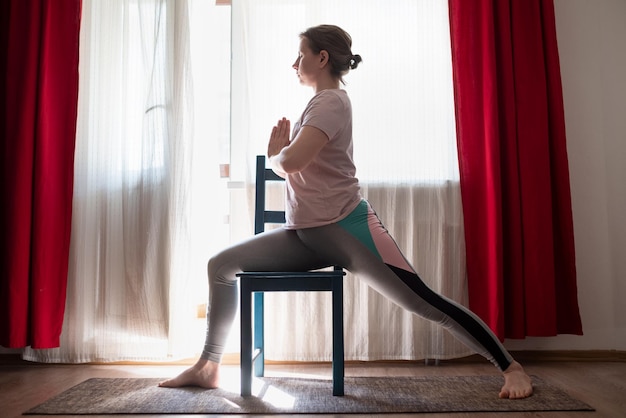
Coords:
354,61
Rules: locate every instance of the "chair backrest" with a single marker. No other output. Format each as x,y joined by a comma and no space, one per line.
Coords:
261,215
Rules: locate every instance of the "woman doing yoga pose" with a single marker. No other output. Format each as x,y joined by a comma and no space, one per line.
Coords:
329,223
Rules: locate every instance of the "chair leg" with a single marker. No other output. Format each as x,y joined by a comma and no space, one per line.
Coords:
338,349
252,339
246,340
259,337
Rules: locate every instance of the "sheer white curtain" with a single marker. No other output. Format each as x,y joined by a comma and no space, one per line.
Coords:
142,213
405,150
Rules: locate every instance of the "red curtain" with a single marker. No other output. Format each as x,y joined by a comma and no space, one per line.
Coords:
38,105
513,167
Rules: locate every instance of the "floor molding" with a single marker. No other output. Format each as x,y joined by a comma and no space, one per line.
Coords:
571,355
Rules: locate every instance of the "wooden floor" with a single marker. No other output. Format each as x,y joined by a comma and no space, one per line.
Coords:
600,383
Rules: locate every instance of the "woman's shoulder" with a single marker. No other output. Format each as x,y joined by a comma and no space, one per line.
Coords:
331,98
331,94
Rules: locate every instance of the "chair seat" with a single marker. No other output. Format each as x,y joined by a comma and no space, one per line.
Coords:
315,273
285,281
292,274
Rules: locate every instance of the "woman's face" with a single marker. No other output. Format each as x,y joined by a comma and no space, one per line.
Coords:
307,64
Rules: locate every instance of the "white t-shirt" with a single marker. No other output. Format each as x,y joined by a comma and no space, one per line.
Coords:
327,190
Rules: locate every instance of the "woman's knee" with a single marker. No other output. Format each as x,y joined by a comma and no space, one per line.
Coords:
212,267
220,267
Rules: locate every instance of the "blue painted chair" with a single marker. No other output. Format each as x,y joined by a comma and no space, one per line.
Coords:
252,285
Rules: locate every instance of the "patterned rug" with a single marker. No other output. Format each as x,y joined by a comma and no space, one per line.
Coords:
102,396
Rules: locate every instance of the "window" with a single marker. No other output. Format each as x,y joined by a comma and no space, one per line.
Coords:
402,97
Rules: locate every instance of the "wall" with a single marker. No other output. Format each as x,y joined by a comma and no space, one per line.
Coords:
592,36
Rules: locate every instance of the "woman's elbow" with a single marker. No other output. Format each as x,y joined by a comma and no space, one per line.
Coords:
291,164
283,164
292,167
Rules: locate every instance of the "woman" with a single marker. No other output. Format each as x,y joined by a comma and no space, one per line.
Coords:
328,223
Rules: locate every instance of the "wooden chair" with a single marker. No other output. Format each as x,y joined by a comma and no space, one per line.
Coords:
282,281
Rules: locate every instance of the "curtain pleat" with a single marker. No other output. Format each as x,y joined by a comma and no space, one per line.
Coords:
39,77
513,165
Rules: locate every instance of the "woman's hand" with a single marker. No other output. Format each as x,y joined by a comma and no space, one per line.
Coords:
287,157
279,137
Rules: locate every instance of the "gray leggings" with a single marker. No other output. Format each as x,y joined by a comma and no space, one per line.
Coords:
360,244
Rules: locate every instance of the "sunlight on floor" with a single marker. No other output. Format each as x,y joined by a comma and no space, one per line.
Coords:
272,395
231,380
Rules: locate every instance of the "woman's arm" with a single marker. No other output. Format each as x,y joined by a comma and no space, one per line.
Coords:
291,157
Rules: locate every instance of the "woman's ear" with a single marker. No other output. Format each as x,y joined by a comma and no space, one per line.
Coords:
323,58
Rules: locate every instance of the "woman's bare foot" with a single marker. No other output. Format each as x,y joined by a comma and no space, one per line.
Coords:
204,373
517,383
